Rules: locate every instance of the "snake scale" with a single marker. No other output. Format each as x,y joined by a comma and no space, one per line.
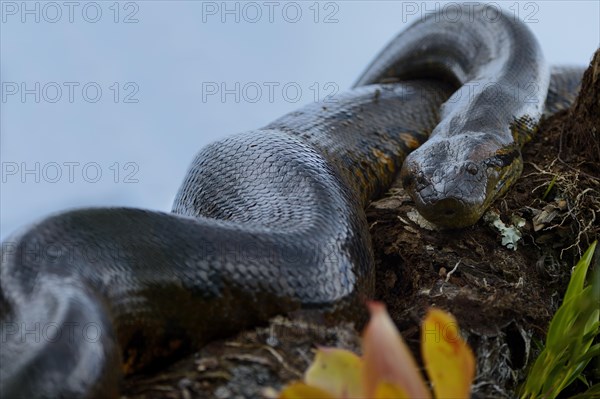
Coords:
272,220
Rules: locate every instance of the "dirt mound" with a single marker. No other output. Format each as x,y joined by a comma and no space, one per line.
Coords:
580,126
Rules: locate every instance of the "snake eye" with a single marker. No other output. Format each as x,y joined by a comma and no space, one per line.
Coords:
472,168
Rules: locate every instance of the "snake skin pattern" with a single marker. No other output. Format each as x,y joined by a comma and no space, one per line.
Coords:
266,222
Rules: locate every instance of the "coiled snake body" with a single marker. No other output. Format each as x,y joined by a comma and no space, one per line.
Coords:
272,220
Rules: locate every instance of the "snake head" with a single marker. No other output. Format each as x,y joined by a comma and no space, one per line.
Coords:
453,180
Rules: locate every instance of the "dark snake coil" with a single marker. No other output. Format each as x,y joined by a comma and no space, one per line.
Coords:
270,221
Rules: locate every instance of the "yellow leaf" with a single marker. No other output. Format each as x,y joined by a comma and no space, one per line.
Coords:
448,359
387,358
299,390
385,390
336,371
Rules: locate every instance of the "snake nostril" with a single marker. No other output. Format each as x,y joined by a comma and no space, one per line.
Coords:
472,168
449,212
421,178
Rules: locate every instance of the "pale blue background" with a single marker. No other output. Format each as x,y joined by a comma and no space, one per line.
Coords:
168,53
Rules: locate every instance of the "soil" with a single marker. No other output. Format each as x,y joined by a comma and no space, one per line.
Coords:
503,298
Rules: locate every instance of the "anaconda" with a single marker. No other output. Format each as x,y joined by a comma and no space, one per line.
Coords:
271,220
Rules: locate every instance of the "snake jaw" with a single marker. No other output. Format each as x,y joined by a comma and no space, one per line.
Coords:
456,199
448,211
453,179
451,194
